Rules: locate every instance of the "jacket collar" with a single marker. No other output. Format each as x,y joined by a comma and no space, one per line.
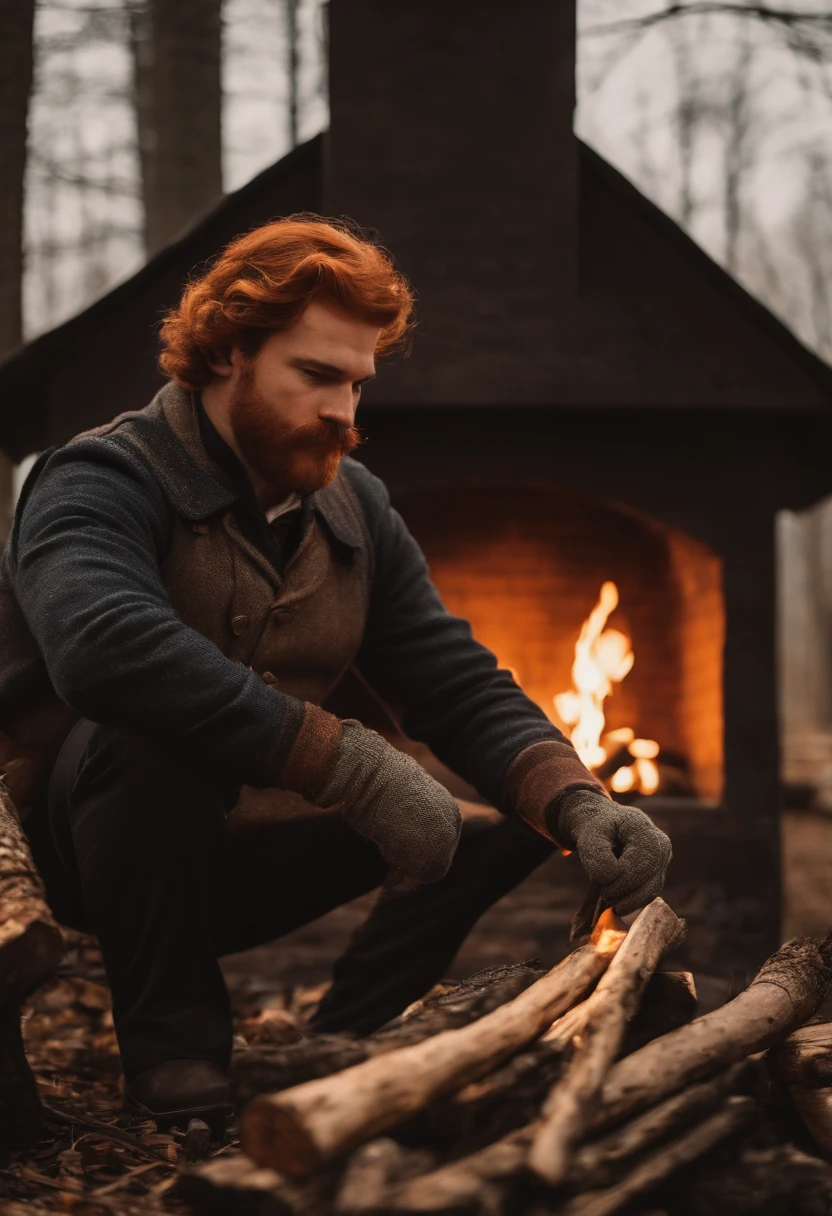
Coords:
198,486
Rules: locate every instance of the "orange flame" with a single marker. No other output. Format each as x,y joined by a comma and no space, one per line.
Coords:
603,657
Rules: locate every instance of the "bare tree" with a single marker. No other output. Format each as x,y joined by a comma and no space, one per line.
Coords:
292,66
176,52
16,69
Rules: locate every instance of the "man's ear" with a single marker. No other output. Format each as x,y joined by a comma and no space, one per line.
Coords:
220,363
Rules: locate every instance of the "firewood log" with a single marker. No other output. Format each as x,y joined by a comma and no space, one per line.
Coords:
568,1109
298,1129
268,1069
803,1063
660,1164
30,950
598,1163
669,1001
786,992
235,1186
459,1185
373,1170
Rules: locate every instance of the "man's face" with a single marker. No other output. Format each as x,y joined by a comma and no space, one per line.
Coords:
292,408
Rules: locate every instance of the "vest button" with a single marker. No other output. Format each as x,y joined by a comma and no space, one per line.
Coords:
239,625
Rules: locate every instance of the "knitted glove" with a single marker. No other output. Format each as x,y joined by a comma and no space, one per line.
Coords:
391,800
619,847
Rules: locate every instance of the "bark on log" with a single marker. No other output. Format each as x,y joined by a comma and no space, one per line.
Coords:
803,1063
30,950
269,1069
598,1163
460,1185
735,1114
568,1109
371,1173
298,1129
786,992
669,1002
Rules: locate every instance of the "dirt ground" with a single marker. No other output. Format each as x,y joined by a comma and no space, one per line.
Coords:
95,1161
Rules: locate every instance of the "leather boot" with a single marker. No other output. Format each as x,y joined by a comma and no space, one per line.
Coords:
177,1091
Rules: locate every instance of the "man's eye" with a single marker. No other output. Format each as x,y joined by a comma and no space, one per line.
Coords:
313,375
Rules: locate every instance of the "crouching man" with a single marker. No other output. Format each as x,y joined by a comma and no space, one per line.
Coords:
183,589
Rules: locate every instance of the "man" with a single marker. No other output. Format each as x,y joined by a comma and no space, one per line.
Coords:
183,589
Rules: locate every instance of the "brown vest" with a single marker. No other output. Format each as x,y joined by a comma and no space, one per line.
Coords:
300,632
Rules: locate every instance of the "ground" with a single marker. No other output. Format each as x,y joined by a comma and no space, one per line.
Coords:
95,1162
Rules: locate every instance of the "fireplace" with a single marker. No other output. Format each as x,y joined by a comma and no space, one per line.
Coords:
525,564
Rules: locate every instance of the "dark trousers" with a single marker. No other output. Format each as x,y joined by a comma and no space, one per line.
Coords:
133,846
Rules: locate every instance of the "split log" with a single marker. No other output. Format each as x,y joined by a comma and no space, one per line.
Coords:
803,1063
30,950
734,1115
786,992
568,1109
268,1069
297,1130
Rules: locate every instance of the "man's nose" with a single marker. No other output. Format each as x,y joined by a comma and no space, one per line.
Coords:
340,407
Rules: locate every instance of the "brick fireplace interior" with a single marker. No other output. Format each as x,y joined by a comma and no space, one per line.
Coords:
525,563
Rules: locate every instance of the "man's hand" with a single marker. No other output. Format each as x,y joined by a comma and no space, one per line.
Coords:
391,800
618,846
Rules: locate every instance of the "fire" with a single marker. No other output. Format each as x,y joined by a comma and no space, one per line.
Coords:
603,657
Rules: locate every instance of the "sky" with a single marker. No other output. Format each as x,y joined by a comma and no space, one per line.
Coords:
83,217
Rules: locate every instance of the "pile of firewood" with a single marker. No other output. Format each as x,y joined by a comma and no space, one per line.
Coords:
574,1091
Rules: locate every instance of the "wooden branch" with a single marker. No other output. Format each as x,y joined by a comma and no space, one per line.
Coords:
373,1170
30,950
803,1063
597,1163
298,1129
459,1185
568,1109
733,1116
669,1002
785,993
267,1069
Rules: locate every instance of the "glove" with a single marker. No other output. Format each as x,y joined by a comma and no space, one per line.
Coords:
618,846
391,800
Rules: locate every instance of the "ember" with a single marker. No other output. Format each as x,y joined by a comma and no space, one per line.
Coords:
603,657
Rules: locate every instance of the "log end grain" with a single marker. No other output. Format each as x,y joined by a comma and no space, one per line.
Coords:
803,968
274,1138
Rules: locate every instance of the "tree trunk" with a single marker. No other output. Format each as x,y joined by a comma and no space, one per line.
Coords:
16,66
178,92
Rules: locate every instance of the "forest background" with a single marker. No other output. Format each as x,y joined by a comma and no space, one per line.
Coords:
720,112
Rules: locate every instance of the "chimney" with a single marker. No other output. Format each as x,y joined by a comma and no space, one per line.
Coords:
451,133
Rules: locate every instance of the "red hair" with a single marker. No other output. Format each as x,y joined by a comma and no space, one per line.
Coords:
263,281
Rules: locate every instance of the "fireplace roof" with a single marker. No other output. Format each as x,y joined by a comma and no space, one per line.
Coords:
651,321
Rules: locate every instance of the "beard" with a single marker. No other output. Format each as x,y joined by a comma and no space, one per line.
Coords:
299,459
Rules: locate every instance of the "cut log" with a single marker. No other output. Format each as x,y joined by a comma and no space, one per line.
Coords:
598,1163
30,950
803,1063
734,1115
298,1129
669,1002
786,992
269,1069
371,1173
568,1109
235,1186
460,1185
